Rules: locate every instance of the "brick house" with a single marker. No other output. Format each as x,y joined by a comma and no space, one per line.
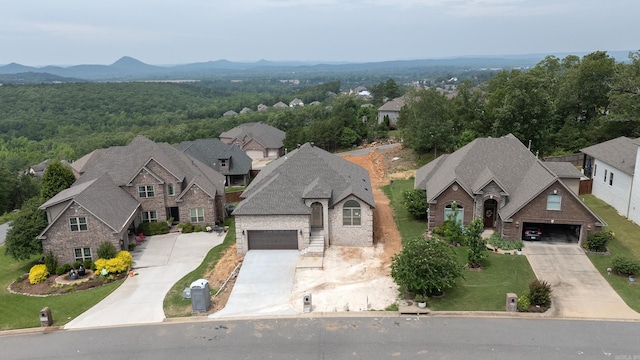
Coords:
307,200
228,160
123,187
258,140
500,180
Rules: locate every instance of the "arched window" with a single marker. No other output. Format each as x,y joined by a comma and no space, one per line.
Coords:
351,213
459,213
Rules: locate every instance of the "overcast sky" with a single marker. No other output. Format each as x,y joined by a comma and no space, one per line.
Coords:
67,32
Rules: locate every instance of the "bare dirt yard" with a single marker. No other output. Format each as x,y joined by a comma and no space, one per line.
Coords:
352,278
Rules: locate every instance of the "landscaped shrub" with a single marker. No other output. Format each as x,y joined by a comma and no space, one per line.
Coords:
625,266
597,241
77,264
540,293
153,228
88,264
107,250
187,228
120,263
38,273
503,244
523,303
63,269
50,262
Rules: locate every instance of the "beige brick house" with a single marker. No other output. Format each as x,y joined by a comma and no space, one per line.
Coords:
307,200
123,187
500,180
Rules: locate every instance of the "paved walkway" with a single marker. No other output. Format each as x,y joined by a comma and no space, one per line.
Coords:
160,261
578,289
263,286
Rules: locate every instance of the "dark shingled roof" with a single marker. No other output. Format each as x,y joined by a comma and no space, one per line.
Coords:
619,152
563,169
305,173
268,136
211,151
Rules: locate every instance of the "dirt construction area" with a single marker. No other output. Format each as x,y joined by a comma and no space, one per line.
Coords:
352,278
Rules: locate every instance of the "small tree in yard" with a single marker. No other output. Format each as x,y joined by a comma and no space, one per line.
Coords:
477,252
416,203
453,230
425,267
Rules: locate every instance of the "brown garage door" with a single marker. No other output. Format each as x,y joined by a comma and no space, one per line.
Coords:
273,239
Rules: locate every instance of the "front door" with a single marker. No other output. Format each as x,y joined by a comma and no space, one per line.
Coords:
489,215
316,216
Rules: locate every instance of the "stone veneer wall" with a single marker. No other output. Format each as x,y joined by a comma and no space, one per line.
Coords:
351,235
271,222
61,241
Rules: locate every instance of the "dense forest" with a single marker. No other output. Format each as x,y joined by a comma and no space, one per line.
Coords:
560,105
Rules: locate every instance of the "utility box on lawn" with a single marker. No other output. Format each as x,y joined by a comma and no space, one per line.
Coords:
45,317
200,296
512,302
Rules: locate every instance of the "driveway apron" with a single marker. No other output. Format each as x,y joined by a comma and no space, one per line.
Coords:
159,262
263,286
578,289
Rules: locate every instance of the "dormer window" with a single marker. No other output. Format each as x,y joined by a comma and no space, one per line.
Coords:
223,162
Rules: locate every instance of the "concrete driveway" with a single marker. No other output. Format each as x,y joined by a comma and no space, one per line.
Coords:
263,286
578,289
160,261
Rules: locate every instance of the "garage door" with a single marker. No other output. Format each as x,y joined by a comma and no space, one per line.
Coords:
273,239
255,154
555,233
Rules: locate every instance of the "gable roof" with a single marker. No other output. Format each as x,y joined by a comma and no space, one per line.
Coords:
620,153
393,105
504,160
307,172
123,163
563,169
211,151
268,136
102,198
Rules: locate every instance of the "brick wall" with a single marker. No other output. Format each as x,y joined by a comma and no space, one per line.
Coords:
351,235
461,197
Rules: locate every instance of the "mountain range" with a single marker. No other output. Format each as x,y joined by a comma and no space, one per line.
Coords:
129,69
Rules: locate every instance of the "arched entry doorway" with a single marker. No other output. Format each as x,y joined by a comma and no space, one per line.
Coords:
316,216
490,209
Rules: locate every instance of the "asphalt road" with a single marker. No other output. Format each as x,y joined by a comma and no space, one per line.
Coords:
407,337
3,231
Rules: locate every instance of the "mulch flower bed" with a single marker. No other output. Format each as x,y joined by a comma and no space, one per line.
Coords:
51,287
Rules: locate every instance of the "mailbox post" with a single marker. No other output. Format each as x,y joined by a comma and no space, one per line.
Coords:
306,299
45,317
512,302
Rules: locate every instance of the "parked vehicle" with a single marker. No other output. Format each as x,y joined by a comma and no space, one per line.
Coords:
532,233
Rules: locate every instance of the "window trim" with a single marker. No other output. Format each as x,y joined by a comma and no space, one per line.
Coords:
171,189
559,202
78,223
146,191
611,178
197,216
149,217
605,176
84,255
351,213
459,217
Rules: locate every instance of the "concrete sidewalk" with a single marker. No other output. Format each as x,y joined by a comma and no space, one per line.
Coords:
263,286
578,289
160,261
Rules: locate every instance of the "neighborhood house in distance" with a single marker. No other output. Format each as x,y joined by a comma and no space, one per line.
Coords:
258,140
229,161
307,200
123,186
500,180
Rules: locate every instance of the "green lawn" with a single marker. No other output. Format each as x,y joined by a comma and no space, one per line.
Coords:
21,311
627,243
174,305
483,290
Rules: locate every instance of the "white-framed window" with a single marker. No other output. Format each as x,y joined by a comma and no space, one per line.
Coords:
78,223
146,191
149,216
197,215
554,202
448,212
610,179
605,175
171,189
82,254
595,168
351,214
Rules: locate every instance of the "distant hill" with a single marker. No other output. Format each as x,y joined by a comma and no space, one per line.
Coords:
130,69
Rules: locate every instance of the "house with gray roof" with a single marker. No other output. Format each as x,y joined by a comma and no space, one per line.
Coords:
258,140
228,160
390,110
125,187
500,180
613,167
307,200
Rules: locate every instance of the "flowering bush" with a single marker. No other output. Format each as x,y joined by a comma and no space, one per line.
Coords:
118,264
38,274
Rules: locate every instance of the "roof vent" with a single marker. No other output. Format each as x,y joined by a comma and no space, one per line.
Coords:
311,143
